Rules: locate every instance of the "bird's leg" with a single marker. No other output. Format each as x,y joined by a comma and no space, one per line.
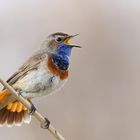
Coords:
19,93
46,124
32,109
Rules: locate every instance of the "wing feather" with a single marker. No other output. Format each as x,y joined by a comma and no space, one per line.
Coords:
31,64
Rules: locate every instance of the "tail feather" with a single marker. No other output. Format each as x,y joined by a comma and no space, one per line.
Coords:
18,118
14,118
13,113
10,118
5,98
3,116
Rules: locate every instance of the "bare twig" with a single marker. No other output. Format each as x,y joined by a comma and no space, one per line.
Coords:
36,114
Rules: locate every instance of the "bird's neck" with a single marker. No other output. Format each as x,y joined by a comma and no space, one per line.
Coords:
61,61
61,58
64,49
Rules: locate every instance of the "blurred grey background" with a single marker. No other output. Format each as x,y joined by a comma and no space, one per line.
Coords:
101,100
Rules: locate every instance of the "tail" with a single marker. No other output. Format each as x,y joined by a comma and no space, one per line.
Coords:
12,112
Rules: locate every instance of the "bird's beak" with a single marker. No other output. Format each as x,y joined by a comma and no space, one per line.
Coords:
69,37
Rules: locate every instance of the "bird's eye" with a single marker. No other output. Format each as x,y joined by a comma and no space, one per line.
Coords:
58,39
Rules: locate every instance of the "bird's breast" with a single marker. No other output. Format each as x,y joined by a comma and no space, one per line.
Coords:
39,82
63,74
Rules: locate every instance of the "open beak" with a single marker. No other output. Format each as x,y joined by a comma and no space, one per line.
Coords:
69,38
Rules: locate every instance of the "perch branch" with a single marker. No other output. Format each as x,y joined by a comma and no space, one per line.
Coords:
36,114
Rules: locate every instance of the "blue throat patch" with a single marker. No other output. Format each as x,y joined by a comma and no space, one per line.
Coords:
61,58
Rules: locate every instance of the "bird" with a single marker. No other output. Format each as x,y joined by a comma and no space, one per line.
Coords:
45,72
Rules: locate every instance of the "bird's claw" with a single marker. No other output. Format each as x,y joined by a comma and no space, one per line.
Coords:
32,110
19,93
46,124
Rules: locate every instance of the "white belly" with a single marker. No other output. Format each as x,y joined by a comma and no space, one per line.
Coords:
38,83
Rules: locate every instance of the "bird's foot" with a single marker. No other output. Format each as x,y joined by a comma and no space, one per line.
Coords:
32,110
20,93
46,124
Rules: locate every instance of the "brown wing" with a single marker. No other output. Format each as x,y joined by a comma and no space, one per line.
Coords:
31,64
